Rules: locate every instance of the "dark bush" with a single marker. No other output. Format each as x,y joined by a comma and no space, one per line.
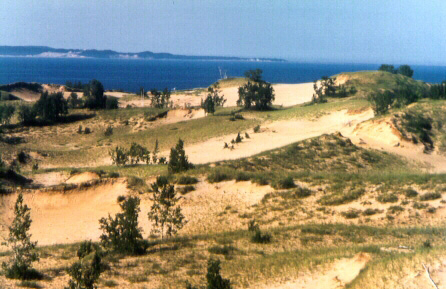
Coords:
303,192
186,189
111,103
187,180
284,183
387,198
261,238
242,176
218,176
108,131
411,193
430,196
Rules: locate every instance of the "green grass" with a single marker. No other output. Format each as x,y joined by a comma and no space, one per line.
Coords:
367,82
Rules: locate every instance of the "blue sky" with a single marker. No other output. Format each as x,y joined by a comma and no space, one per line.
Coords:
361,31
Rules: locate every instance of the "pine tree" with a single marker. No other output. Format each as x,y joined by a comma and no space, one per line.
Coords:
20,241
178,161
165,213
122,233
215,281
155,152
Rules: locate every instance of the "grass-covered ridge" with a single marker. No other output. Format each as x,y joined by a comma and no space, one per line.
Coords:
368,82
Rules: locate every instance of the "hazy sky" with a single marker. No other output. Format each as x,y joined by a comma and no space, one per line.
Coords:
364,31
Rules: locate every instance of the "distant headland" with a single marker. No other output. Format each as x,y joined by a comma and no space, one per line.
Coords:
49,52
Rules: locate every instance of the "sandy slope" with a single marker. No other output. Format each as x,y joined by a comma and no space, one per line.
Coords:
382,135
275,135
341,273
65,217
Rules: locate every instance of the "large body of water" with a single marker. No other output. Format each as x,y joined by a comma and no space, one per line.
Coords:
130,75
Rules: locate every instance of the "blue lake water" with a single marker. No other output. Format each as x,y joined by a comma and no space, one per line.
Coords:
130,75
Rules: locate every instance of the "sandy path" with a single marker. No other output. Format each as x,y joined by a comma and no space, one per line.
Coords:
341,273
274,135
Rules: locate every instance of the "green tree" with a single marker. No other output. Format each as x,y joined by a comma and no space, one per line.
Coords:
256,92
138,153
19,239
166,215
155,152
50,107
94,93
209,105
26,115
73,100
214,92
122,234
387,67
381,101
213,277
178,161
119,156
6,113
405,70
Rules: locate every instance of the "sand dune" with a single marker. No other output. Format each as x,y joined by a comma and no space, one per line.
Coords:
285,94
274,135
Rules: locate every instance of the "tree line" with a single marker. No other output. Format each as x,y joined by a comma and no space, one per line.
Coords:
403,69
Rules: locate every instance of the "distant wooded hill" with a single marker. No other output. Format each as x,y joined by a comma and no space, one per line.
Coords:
44,51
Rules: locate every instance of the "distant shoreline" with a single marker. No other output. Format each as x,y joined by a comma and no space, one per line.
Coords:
49,52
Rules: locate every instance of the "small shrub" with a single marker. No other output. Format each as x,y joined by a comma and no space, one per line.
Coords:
85,274
387,198
113,175
86,248
225,250
431,210
238,139
260,180
110,283
257,129
285,183
120,199
395,209
247,135
427,244
253,226
87,130
430,196
370,212
419,206
187,180
29,284
411,193
261,238
108,131
351,214
79,129
242,176
22,157
303,192
186,189
218,176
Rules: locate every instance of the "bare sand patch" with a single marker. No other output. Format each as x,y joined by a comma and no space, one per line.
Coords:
82,178
341,273
285,94
382,135
65,217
